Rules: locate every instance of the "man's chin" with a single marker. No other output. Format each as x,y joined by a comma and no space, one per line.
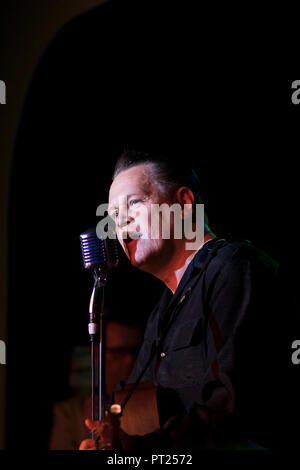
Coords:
144,265
137,261
140,258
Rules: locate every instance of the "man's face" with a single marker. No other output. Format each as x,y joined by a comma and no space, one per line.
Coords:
131,195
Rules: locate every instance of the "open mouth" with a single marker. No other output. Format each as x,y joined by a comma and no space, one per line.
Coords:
132,236
130,239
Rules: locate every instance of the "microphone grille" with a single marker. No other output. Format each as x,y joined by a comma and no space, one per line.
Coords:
98,252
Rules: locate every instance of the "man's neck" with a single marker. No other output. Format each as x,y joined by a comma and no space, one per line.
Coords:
173,276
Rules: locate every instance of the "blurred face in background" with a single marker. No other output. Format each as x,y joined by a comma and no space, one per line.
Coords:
122,345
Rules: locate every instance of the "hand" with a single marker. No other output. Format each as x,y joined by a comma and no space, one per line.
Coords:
104,435
108,436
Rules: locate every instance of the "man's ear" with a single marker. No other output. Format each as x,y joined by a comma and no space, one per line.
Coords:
185,197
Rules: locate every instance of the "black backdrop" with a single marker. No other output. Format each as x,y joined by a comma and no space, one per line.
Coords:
130,76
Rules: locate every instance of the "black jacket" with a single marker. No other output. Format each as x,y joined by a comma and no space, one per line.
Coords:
217,334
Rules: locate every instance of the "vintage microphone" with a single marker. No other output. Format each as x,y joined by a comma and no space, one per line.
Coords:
100,256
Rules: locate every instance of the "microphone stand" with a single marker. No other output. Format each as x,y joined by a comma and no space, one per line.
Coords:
96,332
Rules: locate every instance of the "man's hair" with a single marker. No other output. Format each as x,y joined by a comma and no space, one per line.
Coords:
168,174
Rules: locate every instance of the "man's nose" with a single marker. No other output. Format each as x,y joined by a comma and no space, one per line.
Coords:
124,218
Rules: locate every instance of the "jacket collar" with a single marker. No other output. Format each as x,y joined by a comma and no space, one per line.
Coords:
168,299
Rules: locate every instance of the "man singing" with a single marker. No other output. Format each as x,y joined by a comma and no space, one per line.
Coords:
207,344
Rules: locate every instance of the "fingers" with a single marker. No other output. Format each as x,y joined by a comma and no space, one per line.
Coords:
90,424
98,430
103,435
88,444
93,425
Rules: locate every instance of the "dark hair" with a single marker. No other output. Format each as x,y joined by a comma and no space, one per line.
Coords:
169,174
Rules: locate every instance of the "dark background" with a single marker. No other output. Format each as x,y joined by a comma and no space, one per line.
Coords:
126,75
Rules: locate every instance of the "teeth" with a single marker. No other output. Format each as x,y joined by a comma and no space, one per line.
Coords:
131,236
135,236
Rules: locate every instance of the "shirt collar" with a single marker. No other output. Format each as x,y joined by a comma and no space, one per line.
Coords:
193,268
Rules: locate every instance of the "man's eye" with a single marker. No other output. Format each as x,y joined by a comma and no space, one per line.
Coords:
134,201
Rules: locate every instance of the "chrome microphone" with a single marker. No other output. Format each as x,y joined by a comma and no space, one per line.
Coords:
100,256
97,252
